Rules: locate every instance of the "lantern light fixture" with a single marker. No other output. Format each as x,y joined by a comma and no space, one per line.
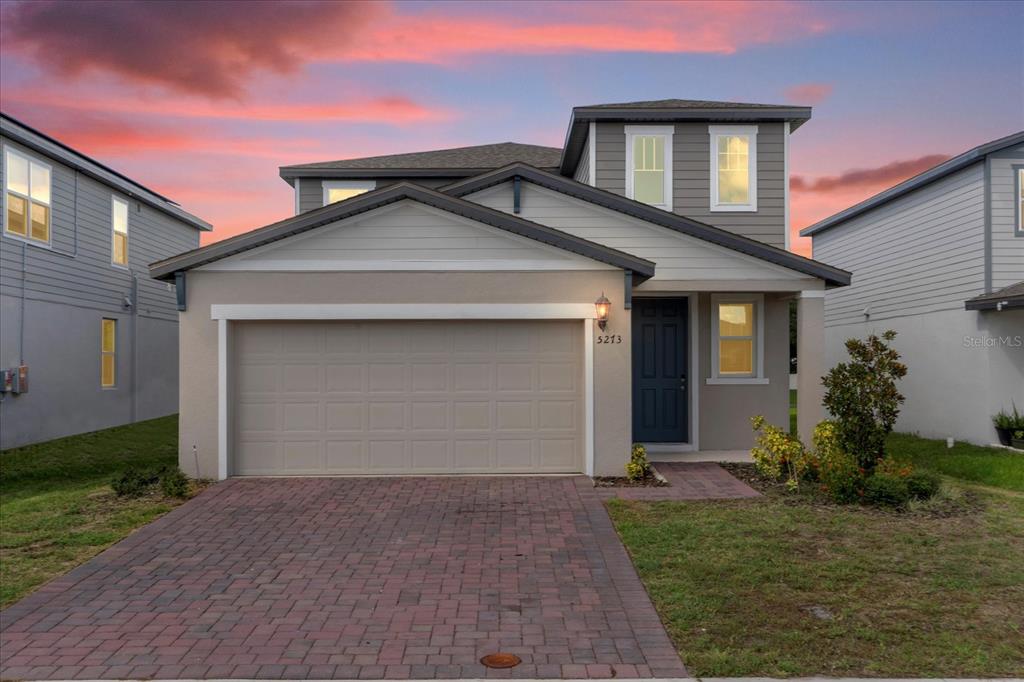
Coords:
603,306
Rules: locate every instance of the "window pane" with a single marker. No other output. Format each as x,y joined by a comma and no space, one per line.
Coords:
335,194
648,153
735,356
107,370
109,339
17,173
120,255
649,186
120,216
733,169
16,223
736,319
40,183
40,222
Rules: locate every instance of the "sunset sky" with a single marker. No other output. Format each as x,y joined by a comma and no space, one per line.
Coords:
203,101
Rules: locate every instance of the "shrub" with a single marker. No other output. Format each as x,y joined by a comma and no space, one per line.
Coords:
638,465
838,472
861,394
894,468
133,482
778,453
1011,421
886,490
922,485
173,482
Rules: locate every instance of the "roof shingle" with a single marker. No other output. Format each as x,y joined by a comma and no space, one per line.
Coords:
478,157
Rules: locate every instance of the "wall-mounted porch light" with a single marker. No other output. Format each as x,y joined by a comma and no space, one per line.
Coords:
603,307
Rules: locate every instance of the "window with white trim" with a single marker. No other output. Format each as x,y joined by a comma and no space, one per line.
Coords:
26,197
339,190
737,338
1020,201
733,168
119,231
108,352
649,165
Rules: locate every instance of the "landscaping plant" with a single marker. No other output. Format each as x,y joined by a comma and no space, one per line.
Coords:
133,482
778,453
838,472
638,465
861,395
174,483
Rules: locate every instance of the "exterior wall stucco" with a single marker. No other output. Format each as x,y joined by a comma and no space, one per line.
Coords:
198,339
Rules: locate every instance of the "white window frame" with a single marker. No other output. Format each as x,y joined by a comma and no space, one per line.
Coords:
114,200
1018,225
28,239
664,131
751,133
758,376
328,185
111,353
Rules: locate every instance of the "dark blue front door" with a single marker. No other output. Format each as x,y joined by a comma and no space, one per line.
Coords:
660,371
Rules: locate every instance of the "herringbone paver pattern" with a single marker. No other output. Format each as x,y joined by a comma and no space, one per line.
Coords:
352,578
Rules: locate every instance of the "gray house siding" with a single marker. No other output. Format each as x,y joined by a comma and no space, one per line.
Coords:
691,177
582,173
311,190
1007,245
922,252
52,301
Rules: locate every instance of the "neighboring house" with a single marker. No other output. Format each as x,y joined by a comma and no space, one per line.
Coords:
444,313
96,337
939,259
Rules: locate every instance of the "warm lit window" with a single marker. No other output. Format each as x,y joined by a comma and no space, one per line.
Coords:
736,338
339,190
119,225
1020,202
649,165
733,168
108,352
27,197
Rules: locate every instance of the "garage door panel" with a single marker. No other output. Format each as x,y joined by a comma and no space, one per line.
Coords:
407,397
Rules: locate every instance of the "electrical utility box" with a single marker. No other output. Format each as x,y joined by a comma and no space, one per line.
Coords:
15,380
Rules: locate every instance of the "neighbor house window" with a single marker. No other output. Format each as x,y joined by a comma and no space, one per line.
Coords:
649,165
108,352
737,339
1020,201
119,225
26,197
339,190
733,168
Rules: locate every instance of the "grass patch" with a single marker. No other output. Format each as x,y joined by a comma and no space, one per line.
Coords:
792,411
989,466
56,506
738,585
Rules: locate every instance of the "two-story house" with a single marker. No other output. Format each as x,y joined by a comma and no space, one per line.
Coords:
87,339
939,258
509,308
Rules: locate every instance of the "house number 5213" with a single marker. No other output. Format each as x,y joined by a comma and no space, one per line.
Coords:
609,338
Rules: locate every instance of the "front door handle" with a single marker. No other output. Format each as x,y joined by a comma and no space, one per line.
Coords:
682,383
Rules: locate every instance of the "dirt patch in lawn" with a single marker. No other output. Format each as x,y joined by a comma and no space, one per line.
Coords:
649,481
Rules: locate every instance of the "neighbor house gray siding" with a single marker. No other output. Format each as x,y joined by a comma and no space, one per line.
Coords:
922,252
53,300
1007,244
311,190
691,177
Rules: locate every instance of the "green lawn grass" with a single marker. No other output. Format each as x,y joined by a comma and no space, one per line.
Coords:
989,466
792,411
56,506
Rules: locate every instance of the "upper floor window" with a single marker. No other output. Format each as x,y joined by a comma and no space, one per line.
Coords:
1020,201
649,165
737,353
119,230
339,190
733,168
26,197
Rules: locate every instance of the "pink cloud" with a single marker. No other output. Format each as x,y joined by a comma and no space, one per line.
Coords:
882,176
808,93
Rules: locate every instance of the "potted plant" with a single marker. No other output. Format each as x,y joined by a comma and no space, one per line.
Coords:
1017,439
1006,423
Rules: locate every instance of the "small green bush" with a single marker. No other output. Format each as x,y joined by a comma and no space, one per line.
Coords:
133,482
779,454
838,472
886,490
173,482
922,485
638,465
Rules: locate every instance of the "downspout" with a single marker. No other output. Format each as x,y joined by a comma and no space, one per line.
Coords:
135,347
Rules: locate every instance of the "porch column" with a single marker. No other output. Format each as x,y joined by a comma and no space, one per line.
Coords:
810,353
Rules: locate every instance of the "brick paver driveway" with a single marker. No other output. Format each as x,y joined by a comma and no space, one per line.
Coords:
352,578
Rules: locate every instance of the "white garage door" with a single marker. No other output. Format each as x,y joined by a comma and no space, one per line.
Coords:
407,397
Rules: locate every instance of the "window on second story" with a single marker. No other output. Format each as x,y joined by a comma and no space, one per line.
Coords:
26,197
119,231
339,190
733,168
649,165
1020,201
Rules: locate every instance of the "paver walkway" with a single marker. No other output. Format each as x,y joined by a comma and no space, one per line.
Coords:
352,578
689,481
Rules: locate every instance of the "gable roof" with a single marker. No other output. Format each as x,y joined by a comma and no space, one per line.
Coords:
456,162
55,149
833,276
931,175
165,269
666,110
1003,299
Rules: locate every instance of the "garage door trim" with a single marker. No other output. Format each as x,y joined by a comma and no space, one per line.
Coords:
224,313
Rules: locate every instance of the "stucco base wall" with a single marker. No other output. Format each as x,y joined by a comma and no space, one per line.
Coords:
61,347
963,367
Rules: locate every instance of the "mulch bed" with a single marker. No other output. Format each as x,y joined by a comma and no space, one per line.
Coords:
648,481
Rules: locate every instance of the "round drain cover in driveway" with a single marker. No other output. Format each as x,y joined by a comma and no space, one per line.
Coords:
500,660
